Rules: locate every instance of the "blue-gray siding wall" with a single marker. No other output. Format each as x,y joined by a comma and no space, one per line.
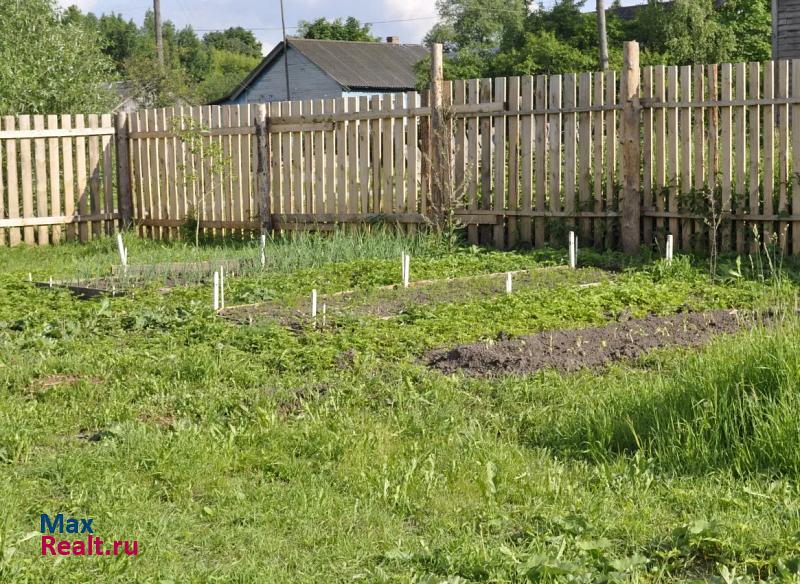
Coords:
306,80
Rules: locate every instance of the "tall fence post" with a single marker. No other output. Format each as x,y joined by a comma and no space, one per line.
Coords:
440,148
630,141
264,159
124,195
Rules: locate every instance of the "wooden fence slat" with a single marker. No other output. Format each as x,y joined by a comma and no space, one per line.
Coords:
713,140
399,158
500,163
330,161
513,159
554,134
237,147
319,163
341,158
82,184
163,173
585,154
570,146
526,163
741,155
754,121
375,155
286,163
225,180
726,158
542,130
12,176
783,154
94,175
660,152
364,157
106,145
647,155
26,174
598,100
387,157
459,141
40,157
673,177
698,150
486,159
472,169
218,208
413,158
685,155
768,180
308,162
612,198
55,177
297,163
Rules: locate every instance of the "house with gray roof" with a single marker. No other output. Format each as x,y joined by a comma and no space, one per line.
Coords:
321,69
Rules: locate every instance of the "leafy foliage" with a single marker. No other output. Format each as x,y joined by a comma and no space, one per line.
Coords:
495,38
47,64
336,30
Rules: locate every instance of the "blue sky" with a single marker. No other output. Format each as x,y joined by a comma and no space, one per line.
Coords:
419,15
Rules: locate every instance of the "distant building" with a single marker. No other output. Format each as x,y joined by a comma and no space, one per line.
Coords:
330,69
785,29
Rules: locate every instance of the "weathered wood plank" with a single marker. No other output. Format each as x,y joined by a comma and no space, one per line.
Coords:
55,177
754,121
12,176
40,155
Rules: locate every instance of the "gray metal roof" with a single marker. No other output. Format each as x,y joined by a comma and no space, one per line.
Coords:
364,65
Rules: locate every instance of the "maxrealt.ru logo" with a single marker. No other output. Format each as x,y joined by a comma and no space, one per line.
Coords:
91,546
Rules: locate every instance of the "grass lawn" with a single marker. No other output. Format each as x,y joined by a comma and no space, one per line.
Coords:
266,453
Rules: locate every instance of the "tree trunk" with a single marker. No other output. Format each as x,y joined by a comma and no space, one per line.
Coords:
601,34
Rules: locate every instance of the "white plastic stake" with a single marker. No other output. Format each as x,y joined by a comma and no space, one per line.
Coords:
51,281
314,306
123,251
222,287
216,290
30,277
263,250
669,248
509,283
572,249
406,270
324,314
576,251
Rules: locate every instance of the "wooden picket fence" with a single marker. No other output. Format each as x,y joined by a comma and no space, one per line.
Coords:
57,178
622,158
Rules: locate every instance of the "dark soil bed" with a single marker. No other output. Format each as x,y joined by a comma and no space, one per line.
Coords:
571,350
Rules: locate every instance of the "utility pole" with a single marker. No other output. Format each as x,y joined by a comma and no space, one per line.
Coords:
601,34
159,37
285,55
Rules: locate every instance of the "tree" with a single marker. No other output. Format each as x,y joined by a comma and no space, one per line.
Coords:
750,23
48,65
226,72
335,30
234,40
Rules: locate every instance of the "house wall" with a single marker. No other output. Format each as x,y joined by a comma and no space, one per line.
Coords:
306,80
786,29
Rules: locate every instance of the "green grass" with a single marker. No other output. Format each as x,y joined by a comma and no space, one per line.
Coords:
254,453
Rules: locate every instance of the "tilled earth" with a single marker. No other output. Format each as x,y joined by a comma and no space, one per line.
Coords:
571,350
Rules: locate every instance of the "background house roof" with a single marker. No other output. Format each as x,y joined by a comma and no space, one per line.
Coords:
358,65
